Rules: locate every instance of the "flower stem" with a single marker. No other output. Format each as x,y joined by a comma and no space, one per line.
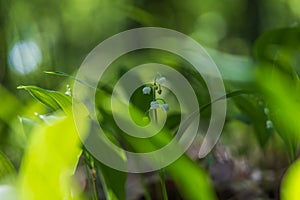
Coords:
163,185
91,173
147,194
161,172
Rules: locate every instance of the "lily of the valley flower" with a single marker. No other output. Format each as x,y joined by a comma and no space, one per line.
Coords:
146,90
154,105
269,124
161,80
68,92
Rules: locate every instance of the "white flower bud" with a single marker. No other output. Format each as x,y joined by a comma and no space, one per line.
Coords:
68,92
266,111
269,124
146,90
154,105
161,80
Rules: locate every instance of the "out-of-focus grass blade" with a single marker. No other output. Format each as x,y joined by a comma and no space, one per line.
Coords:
10,106
186,123
271,49
191,180
7,170
59,73
227,96
53,99
113,181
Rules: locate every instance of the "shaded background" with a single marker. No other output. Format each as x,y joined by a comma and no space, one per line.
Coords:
59,34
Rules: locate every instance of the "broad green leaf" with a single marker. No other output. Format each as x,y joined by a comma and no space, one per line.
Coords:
258,118
112,180
279,48
53,99
290,183
283,99
7,170
49,162
277,52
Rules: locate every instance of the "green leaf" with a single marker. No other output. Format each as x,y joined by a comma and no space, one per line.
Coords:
113,182
7,170
63,74
191,180
53,99
290,183
27,125
278,54
255,112
282,95
279,48
10,105
50,161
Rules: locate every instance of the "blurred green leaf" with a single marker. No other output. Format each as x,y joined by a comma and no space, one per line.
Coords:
290,183
255,112
27,125
191,180
279,48
7,170
113,182
233,68
50,161
10,105
282,96
53,99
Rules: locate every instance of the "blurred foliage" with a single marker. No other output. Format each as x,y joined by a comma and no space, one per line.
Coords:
254,43
7,170
50,161
290,183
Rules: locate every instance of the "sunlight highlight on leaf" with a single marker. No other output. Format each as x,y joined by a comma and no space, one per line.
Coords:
290,185
50,161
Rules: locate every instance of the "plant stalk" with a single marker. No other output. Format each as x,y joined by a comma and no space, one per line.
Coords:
161,172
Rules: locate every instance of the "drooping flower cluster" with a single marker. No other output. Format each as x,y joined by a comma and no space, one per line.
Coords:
156,88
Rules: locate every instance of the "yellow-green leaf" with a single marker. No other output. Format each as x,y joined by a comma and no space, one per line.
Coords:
50,161
290,184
